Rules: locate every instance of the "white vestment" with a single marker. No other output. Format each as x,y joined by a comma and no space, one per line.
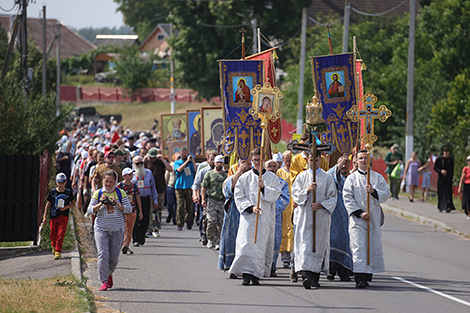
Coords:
305,258
355,198
255,258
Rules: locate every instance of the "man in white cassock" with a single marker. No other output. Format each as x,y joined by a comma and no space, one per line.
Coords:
253,260
355,194
306,261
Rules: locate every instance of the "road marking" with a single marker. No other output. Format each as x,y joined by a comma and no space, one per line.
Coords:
433,291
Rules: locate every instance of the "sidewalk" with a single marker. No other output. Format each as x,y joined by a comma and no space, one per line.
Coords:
425,213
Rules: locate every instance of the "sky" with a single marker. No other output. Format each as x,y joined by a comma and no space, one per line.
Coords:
75,13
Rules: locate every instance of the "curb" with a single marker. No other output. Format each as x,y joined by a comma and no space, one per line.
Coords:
423,220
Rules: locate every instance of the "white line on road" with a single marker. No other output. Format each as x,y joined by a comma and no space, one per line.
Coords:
433,291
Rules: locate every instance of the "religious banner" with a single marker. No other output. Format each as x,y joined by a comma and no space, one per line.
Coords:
242,131
334,77
274,127
174,133
212,128
194,132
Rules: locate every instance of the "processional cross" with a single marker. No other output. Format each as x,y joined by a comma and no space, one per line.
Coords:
369,114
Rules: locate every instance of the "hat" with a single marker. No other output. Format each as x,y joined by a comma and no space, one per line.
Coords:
61,178
107,153
395,146
127,171
84,154
277,157
152,152
468,158
119,152
219,158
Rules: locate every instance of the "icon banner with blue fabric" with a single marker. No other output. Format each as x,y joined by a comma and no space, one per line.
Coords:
334,78
242,132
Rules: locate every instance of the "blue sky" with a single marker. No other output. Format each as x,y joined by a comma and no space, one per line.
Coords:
74,13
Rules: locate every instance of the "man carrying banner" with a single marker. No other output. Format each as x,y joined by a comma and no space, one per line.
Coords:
253,260
310,263
355,193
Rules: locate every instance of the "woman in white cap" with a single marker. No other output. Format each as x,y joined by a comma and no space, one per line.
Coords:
464,186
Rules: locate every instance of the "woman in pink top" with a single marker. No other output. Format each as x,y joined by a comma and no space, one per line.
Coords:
464,186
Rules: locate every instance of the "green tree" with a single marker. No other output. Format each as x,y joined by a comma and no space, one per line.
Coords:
133,72
30,128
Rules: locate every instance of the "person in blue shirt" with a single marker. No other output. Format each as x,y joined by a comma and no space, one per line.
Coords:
185,169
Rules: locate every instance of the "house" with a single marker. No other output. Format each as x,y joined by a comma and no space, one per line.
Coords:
117,40
71,43
156,42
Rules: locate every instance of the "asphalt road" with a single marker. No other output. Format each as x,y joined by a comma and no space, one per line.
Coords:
427,271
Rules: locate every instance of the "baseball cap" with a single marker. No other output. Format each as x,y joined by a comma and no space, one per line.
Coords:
127,171
152,152
219,158
119,152
61,178
108,153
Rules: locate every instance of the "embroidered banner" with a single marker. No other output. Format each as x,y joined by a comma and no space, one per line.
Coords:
242,132
274,128
334,78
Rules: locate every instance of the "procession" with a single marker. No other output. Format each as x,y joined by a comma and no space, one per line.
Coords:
215,156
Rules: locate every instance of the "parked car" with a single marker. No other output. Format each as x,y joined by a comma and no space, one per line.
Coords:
89,114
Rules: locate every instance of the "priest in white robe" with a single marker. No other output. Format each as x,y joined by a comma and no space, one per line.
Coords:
253,260
310,263
355,194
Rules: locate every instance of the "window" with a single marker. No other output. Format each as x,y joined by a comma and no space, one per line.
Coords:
160,37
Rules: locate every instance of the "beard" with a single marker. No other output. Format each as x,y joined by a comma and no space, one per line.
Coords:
176,134
140,172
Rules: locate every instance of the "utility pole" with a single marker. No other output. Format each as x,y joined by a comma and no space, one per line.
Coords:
58,69
44,50
300,99
347,14
410,83
172,79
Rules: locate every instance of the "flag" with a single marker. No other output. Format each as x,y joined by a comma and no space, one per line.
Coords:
115,137
242,132
334,79
274,128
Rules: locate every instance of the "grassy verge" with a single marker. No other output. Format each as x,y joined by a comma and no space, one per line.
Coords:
58,294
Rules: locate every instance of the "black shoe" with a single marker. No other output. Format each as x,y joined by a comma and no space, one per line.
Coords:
129,251
254,280
189,227
361,284
204,241
286,265
124,249
246,279
448,210
233,276
330,277
307,282
273,273
168,219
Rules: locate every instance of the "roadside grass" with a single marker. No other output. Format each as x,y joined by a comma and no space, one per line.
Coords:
57,294
140,116
15,244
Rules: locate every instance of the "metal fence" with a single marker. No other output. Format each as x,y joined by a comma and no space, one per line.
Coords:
19,197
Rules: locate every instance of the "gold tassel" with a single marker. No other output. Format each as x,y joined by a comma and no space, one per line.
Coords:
275,57
363,66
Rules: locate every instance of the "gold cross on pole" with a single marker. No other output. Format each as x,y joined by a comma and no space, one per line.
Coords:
369,114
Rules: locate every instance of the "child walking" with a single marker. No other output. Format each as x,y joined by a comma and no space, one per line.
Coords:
59,201
426,182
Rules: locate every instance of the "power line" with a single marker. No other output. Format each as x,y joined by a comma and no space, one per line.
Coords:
382,13
222,26
8,10
325,25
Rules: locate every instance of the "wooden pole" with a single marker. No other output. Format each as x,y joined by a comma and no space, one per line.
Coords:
261,162
368,208
313,140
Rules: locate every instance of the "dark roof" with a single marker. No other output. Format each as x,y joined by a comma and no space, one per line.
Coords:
71,43
117,40
319,9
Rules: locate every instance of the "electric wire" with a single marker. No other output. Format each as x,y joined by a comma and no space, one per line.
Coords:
382,13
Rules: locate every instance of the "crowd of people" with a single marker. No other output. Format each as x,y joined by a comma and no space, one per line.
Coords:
296,206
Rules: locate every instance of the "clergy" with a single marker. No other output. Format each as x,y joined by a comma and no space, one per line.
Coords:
306,261
253,260
355,193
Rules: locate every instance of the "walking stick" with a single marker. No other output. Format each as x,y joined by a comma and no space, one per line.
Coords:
313,140
368,205
260,174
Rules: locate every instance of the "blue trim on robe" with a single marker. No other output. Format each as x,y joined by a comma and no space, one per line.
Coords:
281,204
228,236
339,234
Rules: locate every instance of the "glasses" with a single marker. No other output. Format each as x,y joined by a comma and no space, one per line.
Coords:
139,163
256,160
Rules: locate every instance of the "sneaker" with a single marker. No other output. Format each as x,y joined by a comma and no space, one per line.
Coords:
124,249
104,287
53,250
155,234
136,244
148,235
210,244
129,251
57,256
180,228
217,247
468,218
110,281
